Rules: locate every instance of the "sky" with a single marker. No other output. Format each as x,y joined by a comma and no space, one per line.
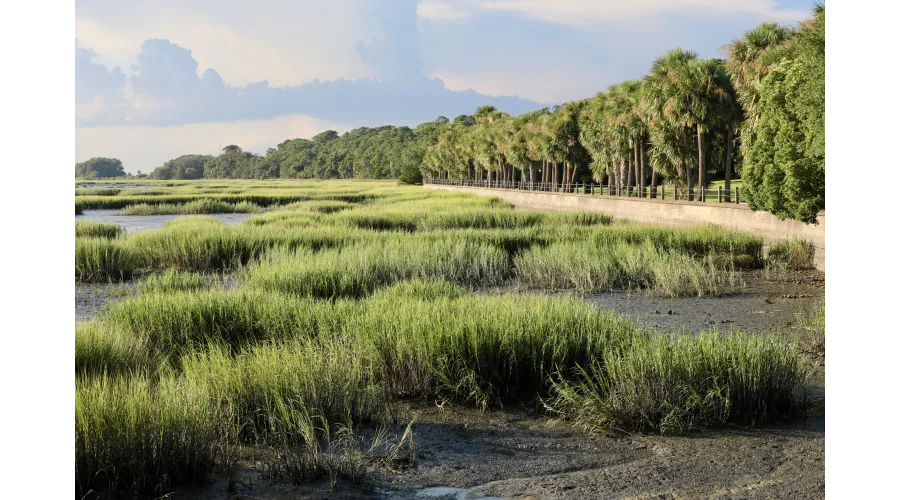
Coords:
155,80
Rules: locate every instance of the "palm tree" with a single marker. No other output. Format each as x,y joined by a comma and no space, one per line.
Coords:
704,95
667,102
749,60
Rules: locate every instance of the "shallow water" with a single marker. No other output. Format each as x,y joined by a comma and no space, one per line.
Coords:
113,186
137,223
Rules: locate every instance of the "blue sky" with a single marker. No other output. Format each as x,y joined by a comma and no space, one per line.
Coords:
158,79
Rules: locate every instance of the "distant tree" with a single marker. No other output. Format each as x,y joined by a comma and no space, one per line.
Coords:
410,165
183,167
233,163
96,168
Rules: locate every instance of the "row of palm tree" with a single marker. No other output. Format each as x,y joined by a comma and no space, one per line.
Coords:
635,134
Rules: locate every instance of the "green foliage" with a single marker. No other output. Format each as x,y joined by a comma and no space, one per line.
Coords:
99,168
785,160
183,167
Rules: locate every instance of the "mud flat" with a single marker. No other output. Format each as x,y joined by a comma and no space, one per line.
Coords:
520,453
766,304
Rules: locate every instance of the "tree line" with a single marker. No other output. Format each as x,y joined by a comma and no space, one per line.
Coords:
759,113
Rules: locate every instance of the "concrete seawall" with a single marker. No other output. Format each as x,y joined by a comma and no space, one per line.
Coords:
666,213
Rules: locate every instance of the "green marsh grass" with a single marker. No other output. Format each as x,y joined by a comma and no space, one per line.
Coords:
104,259
96,191
93,229
134,436
792,254
202,206
173,280
682,383
278,370
357,270
347,297
587,268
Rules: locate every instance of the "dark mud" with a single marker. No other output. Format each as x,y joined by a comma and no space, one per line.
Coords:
766,304
90,298
520,453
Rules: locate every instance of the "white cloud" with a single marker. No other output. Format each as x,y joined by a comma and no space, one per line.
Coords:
145,148
583,12
301,42
439,11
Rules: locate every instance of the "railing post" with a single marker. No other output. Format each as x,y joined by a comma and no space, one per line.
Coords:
663,191
737,195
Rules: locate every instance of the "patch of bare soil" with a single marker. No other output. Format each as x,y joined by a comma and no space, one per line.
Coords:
767,304
90,298
519,453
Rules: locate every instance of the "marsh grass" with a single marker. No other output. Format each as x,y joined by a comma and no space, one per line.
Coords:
97,191
104,260
811,323
791,254
173,280
202,206
93,229
135,437
349,297
673,384
297,375
589,269
357,270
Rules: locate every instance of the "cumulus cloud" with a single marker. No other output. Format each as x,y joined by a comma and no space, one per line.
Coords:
167,90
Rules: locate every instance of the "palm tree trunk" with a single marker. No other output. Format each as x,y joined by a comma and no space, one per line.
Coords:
687,168
630,171
559,172
643,151
574,170
729,147
653,184
701,159
638,181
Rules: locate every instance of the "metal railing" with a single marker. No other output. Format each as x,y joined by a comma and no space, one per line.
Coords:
702,195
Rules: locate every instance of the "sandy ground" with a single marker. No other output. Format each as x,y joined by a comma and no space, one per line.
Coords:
520,453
